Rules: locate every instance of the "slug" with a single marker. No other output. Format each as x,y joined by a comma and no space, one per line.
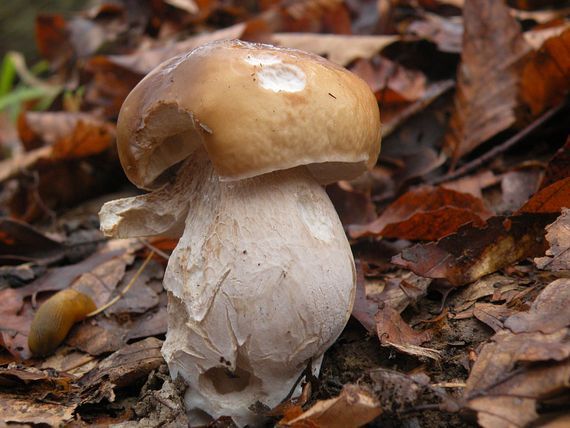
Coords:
55,318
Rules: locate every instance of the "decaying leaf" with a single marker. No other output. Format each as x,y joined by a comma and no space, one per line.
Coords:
545,78
20,243
23,391
425,214
124,367
550,199
504,388
487,80
558,235
354,407
393,331
473,252
446,33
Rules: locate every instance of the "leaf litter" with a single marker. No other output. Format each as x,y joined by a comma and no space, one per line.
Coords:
460,322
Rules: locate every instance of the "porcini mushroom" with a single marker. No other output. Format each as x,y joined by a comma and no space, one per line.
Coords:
262,280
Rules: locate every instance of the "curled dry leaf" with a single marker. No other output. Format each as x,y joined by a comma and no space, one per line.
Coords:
545,79
393,331
488,76
354,407
425,214
473,252
558,235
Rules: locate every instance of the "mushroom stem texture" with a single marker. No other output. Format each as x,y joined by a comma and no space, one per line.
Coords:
261,283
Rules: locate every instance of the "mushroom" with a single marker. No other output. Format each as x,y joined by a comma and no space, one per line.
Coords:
235,140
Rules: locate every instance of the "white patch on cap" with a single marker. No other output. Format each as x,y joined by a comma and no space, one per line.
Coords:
271,73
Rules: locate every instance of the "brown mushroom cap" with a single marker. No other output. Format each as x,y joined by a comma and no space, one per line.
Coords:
256,108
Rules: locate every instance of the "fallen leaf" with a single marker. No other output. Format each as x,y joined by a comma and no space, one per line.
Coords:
550,199
24,389
487,81
503,388
473,184
339,49
354,407
390,82
393,331
425,214
558,235
473,252
125,367
17,409
144,60
487,286
52,38
446,33
548,313
22,243
353,206
492,315
545,79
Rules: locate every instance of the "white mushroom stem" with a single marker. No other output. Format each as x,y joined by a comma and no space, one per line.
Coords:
261,283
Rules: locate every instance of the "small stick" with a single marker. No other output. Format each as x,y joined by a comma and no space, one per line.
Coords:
497,150
124,290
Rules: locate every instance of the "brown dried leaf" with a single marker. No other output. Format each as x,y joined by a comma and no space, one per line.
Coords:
550,199
492,315
393,331
446,33
503,388
17,409
549,312
425,214
473,252
340,49
558,235
545,79
21,243
513,402
487,90
354,407
52,38
126,367
353,206
473,184
144,60
23,396
391,83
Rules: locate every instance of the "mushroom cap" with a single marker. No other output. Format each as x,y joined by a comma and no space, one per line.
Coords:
256,108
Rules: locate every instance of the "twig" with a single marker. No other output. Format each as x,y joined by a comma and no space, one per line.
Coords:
153,248
124,290
497,150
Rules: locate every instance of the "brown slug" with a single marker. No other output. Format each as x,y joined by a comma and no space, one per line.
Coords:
54,319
